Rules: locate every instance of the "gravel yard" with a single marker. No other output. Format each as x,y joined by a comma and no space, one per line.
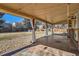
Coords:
12,41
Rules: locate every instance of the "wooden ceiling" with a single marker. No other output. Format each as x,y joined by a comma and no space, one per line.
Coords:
48,12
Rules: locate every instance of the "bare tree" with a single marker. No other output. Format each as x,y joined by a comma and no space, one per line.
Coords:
2,21
1,14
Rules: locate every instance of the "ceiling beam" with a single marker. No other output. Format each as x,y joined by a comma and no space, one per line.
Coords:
61,22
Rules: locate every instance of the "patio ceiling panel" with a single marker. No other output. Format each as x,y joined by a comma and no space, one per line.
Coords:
48,12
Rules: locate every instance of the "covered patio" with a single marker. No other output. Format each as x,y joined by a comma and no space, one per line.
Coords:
49,14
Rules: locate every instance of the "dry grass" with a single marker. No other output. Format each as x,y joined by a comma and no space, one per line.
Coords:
9,36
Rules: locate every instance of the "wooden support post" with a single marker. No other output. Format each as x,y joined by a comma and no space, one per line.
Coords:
33,30
46,27
69,30
52,29
70,34
77,27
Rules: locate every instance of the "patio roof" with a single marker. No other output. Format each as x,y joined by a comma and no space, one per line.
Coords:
48,12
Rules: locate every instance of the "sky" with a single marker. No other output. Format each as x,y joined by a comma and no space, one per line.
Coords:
12,19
